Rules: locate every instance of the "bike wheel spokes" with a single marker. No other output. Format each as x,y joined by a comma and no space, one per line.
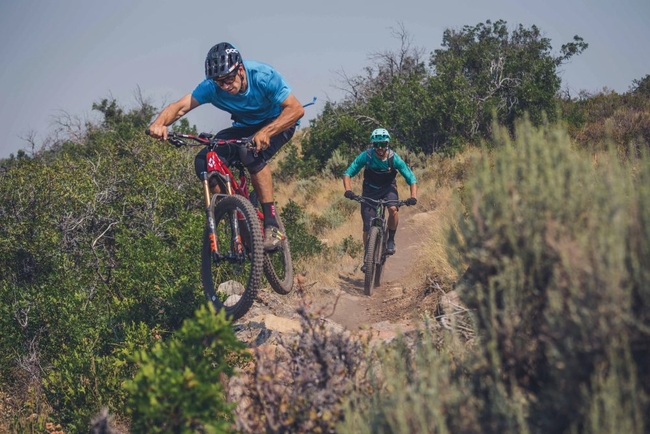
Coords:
278,266
232,277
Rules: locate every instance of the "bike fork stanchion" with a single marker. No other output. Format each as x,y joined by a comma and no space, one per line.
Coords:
209,216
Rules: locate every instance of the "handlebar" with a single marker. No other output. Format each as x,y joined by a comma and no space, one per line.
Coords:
204,139
376,202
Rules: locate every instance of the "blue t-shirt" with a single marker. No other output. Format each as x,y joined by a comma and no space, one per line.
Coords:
267,89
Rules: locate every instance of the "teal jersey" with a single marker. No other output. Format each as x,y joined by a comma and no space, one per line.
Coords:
380,166
266,90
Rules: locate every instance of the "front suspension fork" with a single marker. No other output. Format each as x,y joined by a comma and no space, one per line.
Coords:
207,195
212,235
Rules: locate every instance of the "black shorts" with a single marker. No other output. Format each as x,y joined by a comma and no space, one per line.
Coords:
231,153
368,211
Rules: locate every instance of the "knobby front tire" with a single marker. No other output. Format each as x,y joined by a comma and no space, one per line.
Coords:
232,278
374,251
380,260
278,266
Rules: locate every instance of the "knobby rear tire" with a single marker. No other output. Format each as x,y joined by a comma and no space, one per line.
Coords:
278,266
242,277
374,249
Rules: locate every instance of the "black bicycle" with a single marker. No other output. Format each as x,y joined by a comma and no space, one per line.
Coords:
233,259
376,254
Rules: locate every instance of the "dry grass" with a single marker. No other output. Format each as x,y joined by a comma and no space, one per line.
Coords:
434,261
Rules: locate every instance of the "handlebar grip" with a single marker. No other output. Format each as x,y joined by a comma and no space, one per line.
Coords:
147,132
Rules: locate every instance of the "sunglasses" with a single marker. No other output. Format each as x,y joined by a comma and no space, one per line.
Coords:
228,79
380,144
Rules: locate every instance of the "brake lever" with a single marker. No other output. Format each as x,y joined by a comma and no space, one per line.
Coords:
176,142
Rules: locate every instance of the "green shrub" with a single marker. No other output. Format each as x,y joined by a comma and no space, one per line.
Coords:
290,165
103,236
351,247
178,387
303,244
336,165
334,215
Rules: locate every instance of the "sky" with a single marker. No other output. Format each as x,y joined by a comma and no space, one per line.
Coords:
58,57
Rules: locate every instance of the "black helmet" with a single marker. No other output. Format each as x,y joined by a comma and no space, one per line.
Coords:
221,60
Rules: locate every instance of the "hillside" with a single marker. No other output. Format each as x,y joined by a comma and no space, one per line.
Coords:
542,233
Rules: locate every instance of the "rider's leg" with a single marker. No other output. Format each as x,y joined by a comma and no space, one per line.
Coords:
261,173
393,220
263,185
365,244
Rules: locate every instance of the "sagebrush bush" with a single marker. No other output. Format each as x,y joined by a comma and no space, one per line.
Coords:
547,246
335,165
553,258
337,212
308,187
416,386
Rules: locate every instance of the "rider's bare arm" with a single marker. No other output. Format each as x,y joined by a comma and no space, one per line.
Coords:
171,114
346,182
291,112
414,190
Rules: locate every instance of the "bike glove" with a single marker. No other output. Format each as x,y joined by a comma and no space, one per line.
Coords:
411,201
350,194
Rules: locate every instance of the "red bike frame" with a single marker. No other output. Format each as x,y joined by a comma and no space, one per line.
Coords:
233,186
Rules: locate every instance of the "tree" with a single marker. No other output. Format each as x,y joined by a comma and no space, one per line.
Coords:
484,71
641,86
183,126
390,95
122,123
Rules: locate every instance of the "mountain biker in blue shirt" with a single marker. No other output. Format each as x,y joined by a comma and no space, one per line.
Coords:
380,165
261,105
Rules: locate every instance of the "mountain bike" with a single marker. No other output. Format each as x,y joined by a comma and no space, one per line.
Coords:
232,257
375,256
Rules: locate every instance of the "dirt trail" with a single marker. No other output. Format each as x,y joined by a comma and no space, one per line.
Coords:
391,307
392,302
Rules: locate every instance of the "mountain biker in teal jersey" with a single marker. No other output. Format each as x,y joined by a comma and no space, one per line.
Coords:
261,105
380,165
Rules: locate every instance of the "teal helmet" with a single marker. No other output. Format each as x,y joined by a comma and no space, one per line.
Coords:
379,135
